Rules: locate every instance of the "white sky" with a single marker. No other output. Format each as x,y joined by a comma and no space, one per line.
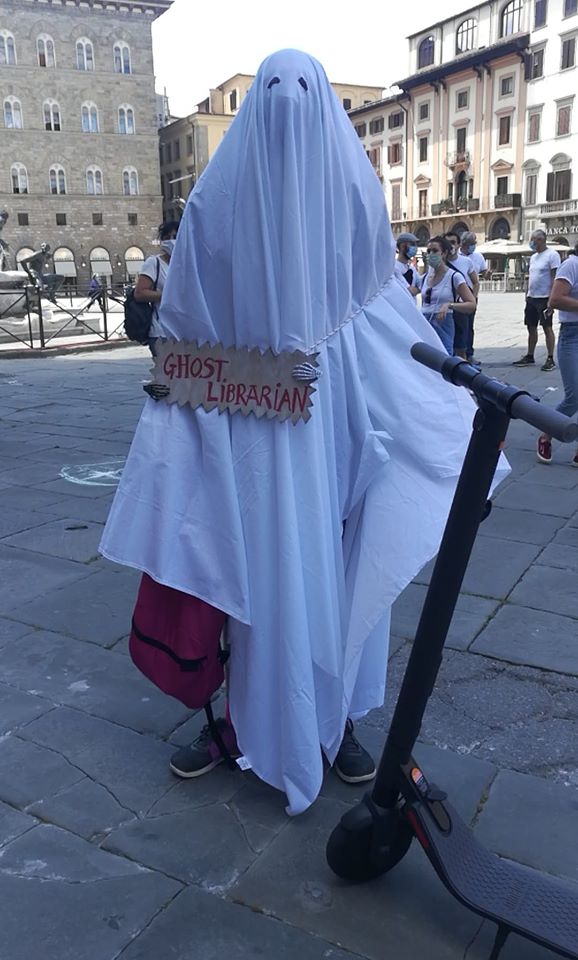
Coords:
198,45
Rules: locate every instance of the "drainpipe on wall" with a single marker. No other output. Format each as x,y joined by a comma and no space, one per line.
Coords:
406,148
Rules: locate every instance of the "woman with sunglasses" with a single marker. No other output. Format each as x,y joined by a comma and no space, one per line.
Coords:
444,292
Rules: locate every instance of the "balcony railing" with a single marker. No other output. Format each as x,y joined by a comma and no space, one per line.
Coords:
505,201
460,205
457,158
555,207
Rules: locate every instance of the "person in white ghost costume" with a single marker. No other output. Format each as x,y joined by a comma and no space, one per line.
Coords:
303,534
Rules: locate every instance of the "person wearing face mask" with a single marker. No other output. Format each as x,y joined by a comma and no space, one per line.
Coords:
464,322
468,249
404,267
153,276
543,266
444,292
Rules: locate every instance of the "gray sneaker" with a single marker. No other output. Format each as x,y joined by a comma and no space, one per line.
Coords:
353,764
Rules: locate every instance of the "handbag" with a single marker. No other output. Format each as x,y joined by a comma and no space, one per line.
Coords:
138,316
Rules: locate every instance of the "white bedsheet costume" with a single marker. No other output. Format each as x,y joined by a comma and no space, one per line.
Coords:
284,240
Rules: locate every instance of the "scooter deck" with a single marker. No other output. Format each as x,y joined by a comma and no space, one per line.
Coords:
536,906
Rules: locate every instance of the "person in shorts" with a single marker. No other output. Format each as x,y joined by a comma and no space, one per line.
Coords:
543,266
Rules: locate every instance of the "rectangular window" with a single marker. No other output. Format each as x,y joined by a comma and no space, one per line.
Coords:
161,154
60,219
423,149
376,126
395,120
506,86
177,150
361,129
451,190
396,201
462,99
233,101
346,103
570,7
424,111
133,219
559,186
461,139
394,154
563,120
23,220
530,194
534,124
189,144
540,13
536,64
423,205
168,153
568,53
97,220
502,186
505,131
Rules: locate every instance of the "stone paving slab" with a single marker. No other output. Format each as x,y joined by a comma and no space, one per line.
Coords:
77,508
12,630
225,930
79,675
25,576
14,521
470,616
408,907
29,772
555,475
545,588
21,498
92,921
66,488
86,809
68,539
567,536
517,948
532,821
485,577
99,611
17,708
132,767
562,556
520,525
13,823
538,498
519,635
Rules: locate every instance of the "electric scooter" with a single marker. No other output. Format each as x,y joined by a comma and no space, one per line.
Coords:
375,835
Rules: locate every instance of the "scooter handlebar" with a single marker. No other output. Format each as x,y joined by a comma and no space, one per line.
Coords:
518,404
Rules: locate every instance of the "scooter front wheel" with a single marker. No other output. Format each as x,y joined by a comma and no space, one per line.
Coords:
365,845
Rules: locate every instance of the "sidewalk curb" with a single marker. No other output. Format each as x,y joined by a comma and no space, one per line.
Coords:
71,348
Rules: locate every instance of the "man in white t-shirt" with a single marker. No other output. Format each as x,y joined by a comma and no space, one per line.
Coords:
153,276
543,266
403,266
468,249
464,323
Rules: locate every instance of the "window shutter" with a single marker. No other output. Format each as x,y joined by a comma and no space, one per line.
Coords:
528,66
389,155
550,187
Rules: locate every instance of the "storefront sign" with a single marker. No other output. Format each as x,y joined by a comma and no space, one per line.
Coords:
268,385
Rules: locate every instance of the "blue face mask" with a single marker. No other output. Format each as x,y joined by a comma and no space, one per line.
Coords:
434,260
411,252
532,244
471,249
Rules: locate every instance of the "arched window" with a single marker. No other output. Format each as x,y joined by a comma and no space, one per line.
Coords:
94,182
51,112
21,255
130,182
122,57
426,51
84,54
45,51
134,259
7,48
125,119
500,229
511,19
19,178
13,114
100,262
466,35
57,179
89,118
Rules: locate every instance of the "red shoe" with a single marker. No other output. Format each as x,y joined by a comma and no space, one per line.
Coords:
544,453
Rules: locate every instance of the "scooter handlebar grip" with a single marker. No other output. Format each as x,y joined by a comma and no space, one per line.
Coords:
544,418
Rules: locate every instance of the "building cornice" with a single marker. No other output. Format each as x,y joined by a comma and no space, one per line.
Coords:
376,105
467,61
145,8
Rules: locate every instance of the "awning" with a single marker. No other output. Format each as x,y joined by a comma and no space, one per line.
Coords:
65,268
103,267
133,267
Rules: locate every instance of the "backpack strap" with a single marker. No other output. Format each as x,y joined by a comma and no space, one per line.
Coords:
156,283
463,280
216,734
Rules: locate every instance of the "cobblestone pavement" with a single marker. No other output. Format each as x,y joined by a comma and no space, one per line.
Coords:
104,855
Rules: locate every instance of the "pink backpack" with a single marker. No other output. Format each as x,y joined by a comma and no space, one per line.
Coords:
175,642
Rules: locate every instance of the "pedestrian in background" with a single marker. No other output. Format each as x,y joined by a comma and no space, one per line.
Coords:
96,293
153,276
444,292
404,266
468,249
463,320
564,298
543,266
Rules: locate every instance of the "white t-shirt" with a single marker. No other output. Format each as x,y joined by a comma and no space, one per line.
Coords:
478,262
400,270
540,282
569,272
465,266
149,269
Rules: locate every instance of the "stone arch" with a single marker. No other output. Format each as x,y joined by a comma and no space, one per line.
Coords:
500,229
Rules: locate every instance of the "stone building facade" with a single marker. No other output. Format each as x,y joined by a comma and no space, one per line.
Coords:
187,144
79,133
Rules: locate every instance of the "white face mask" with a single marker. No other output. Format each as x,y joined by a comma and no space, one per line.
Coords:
167,246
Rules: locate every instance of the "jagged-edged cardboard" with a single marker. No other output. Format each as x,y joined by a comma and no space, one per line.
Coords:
238,381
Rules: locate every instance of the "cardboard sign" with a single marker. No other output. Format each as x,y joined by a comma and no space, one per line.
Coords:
238,381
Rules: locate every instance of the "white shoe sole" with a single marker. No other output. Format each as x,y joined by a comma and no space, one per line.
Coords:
542,459
365,778
185,775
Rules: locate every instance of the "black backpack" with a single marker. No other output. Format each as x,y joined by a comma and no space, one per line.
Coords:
138,316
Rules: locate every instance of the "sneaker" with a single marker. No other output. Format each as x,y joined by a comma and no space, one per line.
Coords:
544,453
526,361
353,764
204,753
549,364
